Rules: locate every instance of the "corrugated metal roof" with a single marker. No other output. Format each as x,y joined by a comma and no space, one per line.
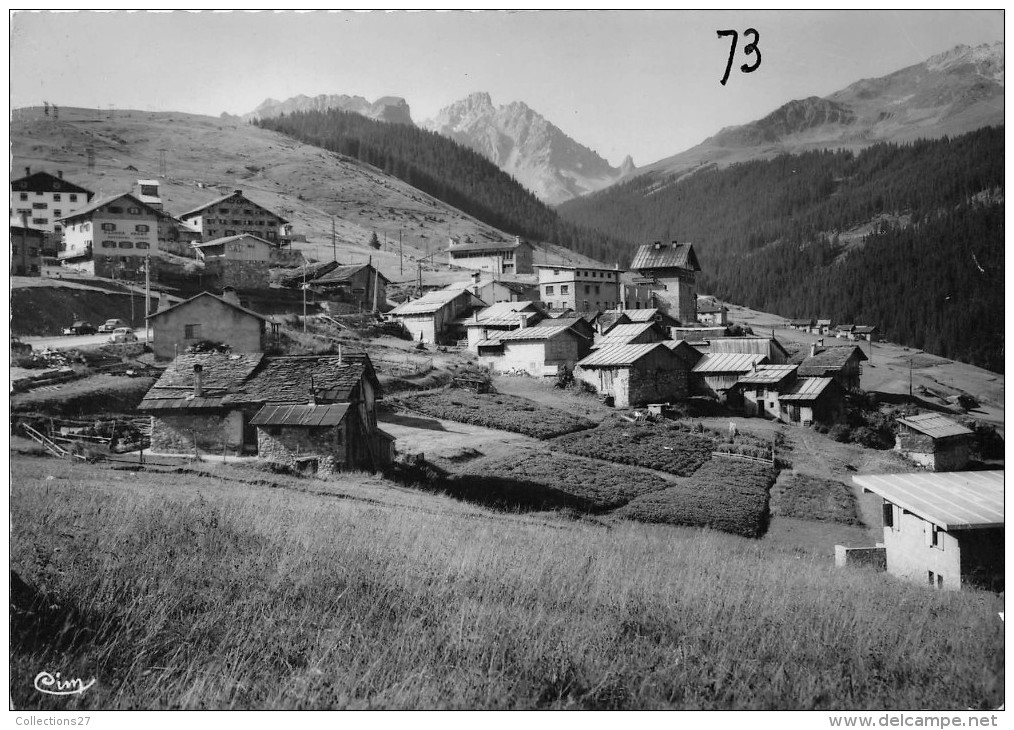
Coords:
622,334
768,374
430,302
728,362
213,296
501,313
951,500
641,315
616,356
805,389
491,246
665,256
307,415
935,426
227,239
535,333
172,404
488,343
828,361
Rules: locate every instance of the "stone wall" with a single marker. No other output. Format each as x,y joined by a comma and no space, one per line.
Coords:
650,383
286,445
174,434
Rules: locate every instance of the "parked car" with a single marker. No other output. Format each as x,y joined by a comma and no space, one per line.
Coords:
123,334
111,324
80,328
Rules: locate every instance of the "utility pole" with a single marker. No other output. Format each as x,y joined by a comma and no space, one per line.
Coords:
910,376
147,294
304,299
401,256
334,250
419,287
24,242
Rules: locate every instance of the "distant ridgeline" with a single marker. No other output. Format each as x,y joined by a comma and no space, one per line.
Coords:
785,236
446,170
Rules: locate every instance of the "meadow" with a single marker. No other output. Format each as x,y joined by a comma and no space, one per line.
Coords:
188,590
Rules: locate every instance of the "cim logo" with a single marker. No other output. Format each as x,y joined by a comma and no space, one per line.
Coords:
54,685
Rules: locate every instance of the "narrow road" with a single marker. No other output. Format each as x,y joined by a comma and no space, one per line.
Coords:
71,342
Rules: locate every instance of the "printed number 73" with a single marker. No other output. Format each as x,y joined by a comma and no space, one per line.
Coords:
747,50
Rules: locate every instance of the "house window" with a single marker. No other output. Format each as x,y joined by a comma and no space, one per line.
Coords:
141,228
58,213
934,536
56,197
134,211
108,226
192,332
109,244
587,289
564,290
141,244
596,288
549,291
24,211
39,206
24,196
115,209
73,197
41,221
230,233
126,244
556,272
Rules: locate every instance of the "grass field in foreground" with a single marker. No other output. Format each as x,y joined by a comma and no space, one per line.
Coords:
176,590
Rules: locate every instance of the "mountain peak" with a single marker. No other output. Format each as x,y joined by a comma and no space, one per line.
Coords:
392,109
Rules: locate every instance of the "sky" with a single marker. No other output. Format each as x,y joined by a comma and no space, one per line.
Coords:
643,83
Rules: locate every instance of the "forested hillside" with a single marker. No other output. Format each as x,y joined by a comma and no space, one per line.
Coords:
447,171
774,235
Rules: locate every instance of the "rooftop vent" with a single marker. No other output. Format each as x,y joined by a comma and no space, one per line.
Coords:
658,245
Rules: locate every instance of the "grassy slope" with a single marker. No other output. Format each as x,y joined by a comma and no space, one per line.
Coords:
359,594
305,184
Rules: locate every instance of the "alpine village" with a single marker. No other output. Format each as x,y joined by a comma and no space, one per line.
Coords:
776,369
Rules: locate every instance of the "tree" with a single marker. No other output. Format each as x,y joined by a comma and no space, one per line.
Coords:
374,241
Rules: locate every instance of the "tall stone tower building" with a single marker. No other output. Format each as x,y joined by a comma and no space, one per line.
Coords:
669,270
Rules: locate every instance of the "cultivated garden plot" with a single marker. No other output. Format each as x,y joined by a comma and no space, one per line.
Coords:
546,481
725,494
661,446
811,498
494,410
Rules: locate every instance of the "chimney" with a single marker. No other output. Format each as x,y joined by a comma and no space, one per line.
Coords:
523,319
339,353
237,192
674,242
28,171
658,245
59,174
229,294
813,349
198,380
517,240
163,302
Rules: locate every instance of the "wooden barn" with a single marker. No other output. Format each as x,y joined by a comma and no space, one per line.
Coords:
806,401
636,374
843,363
934,441
716,373
759,390
944,530
636,333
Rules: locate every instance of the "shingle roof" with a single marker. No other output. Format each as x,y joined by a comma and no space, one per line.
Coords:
608,319
344,274
665,256
222,199
831,360
935,426
500,314
430,302
755,345
308,415
951,500
728,362
253,378
307,272
805,389
641,315
768,374
862,329
797,322
711,308
616,356
213,296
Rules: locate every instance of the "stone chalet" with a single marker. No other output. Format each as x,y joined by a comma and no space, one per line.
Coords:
944,530
232,215
359,285
669,269
636,374
243,261
712,313
498,319
540,350
208,317
315,412
841,363
934,441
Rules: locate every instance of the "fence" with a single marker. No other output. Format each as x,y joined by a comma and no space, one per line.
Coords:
404,366
731,455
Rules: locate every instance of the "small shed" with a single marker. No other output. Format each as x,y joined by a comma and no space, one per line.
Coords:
802,325
760,389
821,327
934,441
636,374
811,400
945,530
